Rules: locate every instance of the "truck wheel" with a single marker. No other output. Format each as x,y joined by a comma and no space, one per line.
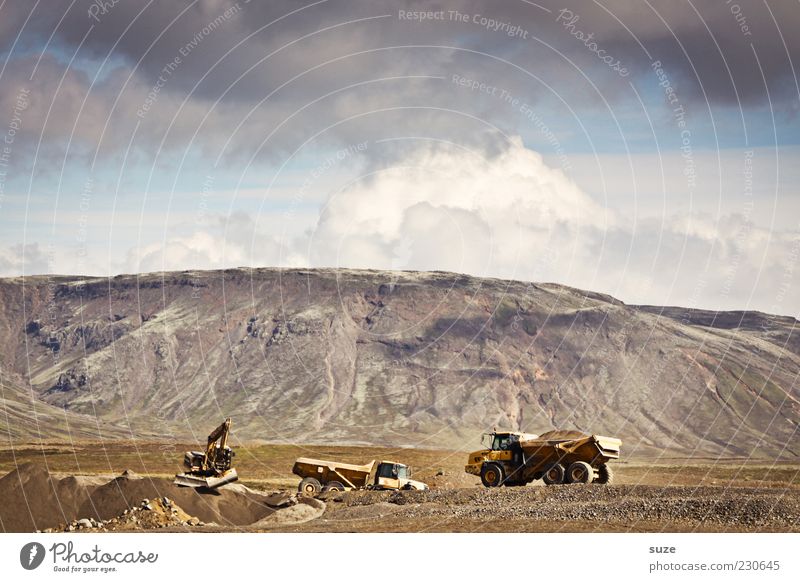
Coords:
606,475
492,475
309,486
332,486
554,475
580,472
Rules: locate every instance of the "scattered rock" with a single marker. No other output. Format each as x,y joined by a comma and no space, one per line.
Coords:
596,504
398,498
306,509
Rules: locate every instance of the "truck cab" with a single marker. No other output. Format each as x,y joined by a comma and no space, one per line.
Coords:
391,475
502,441
498,446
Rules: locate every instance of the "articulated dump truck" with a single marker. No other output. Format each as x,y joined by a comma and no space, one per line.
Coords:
333,476
515,458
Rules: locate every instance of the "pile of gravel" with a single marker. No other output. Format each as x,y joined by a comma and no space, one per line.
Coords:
34,500
753,507
155,514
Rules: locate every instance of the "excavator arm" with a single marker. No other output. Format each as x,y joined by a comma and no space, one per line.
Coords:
212,468
212,450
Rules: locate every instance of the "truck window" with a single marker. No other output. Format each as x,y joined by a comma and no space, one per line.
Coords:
402,472
500,443
387,470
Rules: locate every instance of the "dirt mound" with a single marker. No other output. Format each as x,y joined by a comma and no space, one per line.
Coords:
33,500
222,506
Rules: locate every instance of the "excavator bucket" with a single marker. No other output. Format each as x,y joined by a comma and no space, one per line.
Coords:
211,468
198,481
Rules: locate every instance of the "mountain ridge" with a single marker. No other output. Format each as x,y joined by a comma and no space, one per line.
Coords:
390,357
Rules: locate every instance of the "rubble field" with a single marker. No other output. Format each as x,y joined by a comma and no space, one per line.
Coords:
601,508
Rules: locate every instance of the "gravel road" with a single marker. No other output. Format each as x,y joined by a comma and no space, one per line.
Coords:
565,508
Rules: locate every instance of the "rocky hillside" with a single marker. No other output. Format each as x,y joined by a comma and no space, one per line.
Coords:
418,359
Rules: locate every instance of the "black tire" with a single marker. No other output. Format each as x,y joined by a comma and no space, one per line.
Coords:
332,486
554,475
605,476
309,486
492,475
580,472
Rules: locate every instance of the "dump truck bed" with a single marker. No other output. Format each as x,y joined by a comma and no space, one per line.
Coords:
595,447
347,474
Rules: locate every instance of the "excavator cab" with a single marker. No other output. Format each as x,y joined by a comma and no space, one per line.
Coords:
212,468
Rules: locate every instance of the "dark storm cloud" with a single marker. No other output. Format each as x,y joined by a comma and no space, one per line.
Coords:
719,49
710,32
231,59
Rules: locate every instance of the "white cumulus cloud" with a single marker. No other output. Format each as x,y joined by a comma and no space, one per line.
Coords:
451,209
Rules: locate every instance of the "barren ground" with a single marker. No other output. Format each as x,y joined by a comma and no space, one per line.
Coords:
669,494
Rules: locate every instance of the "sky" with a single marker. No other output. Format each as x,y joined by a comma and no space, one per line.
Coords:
648,150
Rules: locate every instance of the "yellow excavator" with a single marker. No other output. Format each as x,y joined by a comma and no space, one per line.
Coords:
212,468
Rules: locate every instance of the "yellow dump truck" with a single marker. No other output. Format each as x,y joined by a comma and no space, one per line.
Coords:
516,458
333,476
